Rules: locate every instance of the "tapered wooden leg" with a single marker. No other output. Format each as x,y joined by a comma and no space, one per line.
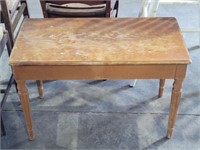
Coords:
24,98
161,87
40,88
175,99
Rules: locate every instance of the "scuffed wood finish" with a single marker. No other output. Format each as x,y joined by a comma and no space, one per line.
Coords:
99,41
94,72
91,48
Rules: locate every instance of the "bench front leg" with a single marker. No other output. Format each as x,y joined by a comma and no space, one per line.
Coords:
24,98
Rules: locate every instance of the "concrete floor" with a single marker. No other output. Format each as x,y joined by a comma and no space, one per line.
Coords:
108,115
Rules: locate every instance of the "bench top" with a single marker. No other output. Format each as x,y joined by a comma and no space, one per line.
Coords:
99,41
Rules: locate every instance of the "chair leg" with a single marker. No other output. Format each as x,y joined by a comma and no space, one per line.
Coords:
7,91
26,13
16,86
199,20
3,131
154,8
8,44
116,7
133,83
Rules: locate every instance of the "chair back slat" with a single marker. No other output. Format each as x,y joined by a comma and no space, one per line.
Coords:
69,8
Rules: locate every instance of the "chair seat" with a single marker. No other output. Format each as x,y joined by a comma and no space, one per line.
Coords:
77,9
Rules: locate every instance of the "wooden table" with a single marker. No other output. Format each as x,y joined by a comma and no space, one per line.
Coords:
92,48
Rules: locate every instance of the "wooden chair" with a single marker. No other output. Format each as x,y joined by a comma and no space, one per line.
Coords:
149,8
12,13
5,41
75,8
